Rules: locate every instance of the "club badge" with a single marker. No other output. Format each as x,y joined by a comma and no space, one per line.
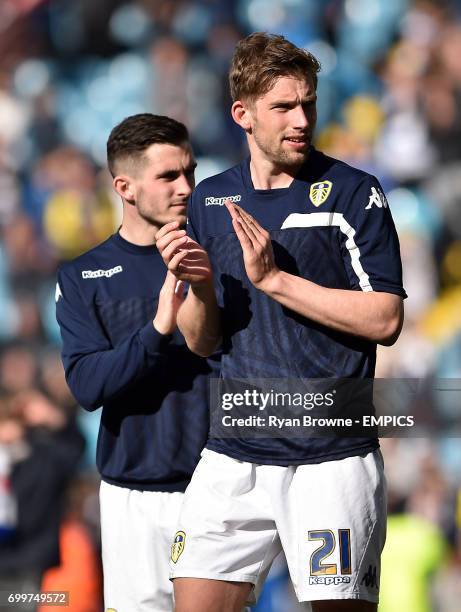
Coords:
319,192
178,545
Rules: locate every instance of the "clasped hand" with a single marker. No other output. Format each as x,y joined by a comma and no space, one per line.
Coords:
183,257
258,254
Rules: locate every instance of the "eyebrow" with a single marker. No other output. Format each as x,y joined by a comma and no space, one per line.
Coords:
171,173
294,101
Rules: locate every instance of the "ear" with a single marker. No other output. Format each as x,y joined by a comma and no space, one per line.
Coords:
241,114
125,188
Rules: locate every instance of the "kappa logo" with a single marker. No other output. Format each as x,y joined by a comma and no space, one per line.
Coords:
178,545
327,580
319,192
212,201
377,198
99,273
370,577
58,293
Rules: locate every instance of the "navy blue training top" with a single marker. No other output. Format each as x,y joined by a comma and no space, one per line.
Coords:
153,390
332,226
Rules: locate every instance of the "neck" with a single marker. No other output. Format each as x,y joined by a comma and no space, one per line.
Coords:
266,174
137,231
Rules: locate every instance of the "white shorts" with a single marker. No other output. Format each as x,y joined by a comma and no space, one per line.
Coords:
137,528
330,519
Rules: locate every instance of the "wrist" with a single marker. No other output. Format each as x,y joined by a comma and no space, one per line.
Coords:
203,289
270,284
161,327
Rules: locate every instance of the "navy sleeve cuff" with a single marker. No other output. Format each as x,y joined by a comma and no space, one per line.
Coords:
153,340
389,289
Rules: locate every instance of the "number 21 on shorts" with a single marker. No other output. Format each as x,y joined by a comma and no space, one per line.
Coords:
327,547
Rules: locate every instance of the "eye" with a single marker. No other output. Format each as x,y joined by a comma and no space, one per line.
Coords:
169,176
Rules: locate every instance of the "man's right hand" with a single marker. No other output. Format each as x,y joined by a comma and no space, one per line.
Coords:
184,257
198,317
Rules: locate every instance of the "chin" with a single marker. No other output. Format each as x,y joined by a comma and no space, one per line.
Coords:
181,218
293,159
301,155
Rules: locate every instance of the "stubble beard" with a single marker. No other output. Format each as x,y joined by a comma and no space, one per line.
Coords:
277,154
157,220
147,215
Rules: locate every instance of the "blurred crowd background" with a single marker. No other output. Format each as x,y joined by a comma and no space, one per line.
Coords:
389,102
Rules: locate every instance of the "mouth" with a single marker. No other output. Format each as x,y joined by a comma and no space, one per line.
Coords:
297,142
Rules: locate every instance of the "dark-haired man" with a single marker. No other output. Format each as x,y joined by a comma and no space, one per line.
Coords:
116,306
308,275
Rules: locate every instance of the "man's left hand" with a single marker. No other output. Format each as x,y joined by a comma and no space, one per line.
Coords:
258,255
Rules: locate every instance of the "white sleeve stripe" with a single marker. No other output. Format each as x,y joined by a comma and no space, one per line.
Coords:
333,219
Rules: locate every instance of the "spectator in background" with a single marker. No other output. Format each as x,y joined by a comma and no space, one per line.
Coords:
11,435
415,549
44,446
79,572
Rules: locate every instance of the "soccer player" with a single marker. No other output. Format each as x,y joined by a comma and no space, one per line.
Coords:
116,307
306,264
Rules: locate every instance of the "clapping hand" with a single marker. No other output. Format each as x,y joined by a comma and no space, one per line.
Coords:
258,255
184,257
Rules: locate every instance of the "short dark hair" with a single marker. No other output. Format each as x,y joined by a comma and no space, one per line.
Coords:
129,139
261,58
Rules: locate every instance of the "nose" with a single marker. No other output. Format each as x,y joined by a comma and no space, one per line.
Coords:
184,185
300,117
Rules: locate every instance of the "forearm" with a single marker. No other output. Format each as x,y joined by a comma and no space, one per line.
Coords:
199,320
97,377
372,315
